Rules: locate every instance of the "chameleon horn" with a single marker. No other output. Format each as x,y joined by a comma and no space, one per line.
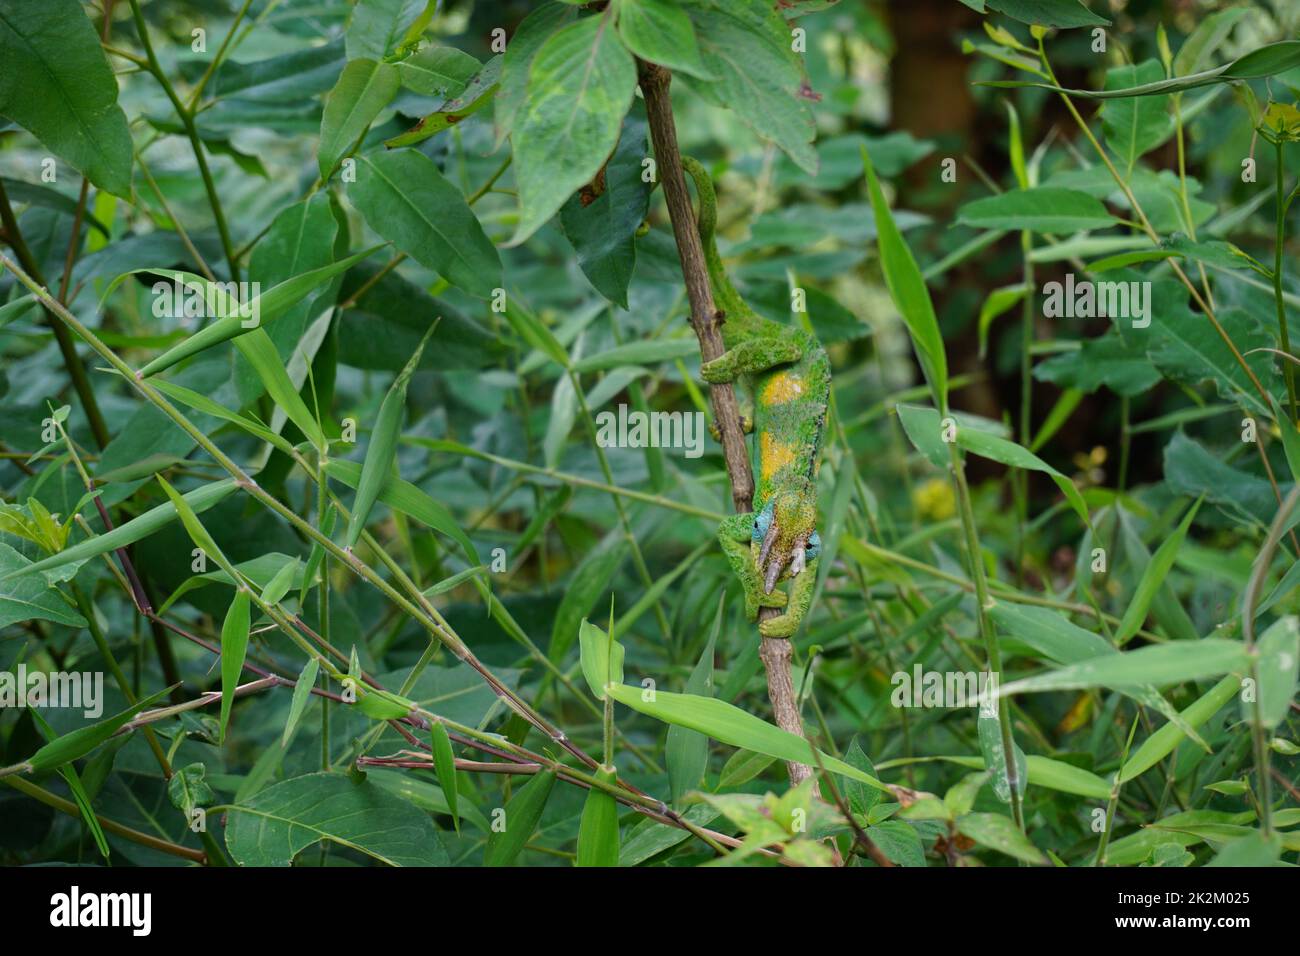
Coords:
768,540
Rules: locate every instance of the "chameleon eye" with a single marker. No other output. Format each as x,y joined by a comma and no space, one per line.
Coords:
762,521
814,546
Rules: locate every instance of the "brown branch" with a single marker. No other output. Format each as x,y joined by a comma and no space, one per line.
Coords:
706,320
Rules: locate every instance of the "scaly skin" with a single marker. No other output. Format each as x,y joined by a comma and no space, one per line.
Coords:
789,377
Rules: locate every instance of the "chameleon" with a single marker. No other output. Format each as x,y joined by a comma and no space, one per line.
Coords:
789,377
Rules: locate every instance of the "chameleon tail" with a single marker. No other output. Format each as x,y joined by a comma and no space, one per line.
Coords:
724,293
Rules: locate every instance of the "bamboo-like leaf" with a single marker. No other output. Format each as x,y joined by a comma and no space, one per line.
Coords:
598,830
131,531
234,645
381,453
522,814
444,765
601,658
1152,577
301,694
1278,667
78,743
687,751
1157,664
261,353
409,500
907,288
731,725
1161,743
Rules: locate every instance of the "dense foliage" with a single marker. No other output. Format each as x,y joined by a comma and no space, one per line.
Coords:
337,339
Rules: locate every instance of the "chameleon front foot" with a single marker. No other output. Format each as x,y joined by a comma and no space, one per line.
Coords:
746,427
756,598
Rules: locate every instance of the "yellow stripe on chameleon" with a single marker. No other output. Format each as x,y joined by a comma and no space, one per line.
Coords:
774,454
782,387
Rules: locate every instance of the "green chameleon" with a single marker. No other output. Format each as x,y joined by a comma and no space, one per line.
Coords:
790,380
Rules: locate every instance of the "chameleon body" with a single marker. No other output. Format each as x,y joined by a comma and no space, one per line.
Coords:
789,378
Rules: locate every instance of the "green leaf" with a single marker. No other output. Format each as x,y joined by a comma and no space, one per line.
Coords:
1158,664
747,44
542,23
644,352
58,85
438,69
409,500
999,833
30,598
277,824
1208,36
1135,126
1278,667
377,27
131,531
601,658
301,695
1161,743
235,319
279,585
478,93
405,199
742,767
1153,577
1266,61
587,583
381,452
598,830
444,765
579,88
234,645
659,31
75,745
522,814
603,230
731,725
860,798
1042,209
261,354
687,751
1048,13
364,88
1255,849
907,289
899,841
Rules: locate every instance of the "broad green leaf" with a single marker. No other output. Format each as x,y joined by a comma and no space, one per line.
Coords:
645,352
899,841
542,23
598,830
860,798
234,645
301,695
364,88
1159,664
603,229
1254,849
405,199
660,32
1048,13
30,598
687,751
58,85
1041,209
381,452
522,814
131,531
437,69
579,88
601,658
377,28
731,725
277,824
478,93
747,44
1135,126
907,288
444,765
1278,667
999,833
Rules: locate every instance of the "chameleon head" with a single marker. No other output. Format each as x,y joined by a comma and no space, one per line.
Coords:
785,536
